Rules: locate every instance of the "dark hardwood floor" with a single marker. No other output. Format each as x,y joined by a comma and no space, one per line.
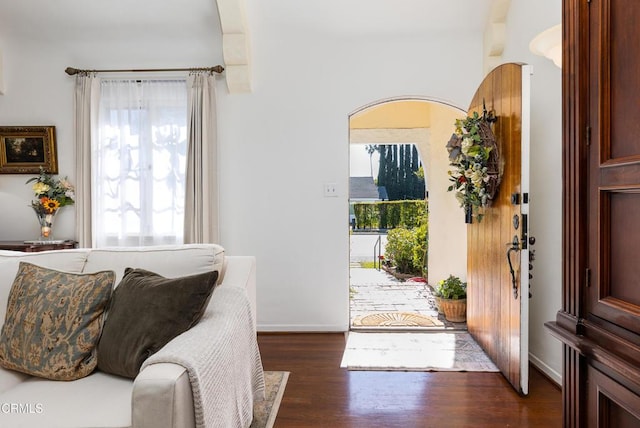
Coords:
321,394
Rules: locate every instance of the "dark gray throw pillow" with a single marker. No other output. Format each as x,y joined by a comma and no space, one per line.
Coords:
147,311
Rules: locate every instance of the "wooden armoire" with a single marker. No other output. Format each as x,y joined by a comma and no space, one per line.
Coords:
599,323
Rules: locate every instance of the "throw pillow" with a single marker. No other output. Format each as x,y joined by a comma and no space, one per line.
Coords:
147,311
53,322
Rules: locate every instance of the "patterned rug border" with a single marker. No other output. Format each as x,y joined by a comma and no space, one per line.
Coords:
266,411
370,354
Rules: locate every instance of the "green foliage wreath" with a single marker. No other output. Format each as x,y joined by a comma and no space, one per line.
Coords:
475,162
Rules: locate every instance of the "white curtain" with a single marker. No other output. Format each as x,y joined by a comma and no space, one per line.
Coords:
86,116
139,163
201,204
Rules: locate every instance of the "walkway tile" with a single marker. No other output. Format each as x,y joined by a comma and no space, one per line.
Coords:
374,291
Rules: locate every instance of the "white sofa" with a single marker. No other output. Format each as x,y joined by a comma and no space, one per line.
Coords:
161,395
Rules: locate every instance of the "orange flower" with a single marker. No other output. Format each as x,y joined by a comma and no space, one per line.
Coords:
50,205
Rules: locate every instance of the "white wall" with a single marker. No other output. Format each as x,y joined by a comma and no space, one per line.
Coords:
37,92
283,141
525,20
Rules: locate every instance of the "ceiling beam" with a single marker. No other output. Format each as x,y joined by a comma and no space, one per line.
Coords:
495,34
235,45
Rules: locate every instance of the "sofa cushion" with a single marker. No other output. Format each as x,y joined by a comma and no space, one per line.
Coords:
170,261
147,311
53,322
98,400
72,260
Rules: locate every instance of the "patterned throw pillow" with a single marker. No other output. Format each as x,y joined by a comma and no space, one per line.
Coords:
53,322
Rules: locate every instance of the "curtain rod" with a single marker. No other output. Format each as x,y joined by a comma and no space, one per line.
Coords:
216,69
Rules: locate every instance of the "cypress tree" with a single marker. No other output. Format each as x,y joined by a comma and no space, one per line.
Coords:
397,171
408,173
393,174
402,182
383,169
415,180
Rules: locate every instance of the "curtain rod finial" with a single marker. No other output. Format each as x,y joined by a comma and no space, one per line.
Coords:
71,71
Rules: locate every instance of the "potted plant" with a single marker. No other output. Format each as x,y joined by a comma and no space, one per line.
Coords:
453,298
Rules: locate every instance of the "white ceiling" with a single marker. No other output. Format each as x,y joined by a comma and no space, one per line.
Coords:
375,17
67,20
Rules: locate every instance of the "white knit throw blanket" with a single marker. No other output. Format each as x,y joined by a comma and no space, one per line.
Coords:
222,359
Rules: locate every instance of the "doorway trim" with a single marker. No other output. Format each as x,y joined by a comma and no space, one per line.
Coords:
401,98
392,129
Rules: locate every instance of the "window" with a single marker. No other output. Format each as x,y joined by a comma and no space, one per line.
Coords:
138,163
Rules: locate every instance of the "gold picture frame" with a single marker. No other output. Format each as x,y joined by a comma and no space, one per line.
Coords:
24,149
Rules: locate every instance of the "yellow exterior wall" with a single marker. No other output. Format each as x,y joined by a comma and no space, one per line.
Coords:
394,114
428,125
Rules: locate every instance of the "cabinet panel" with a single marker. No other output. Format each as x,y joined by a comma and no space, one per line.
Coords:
624,234
613,183
611,405
624,69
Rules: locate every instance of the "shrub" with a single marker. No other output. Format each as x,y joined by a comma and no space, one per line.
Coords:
399,249
420,247
390,214
452,288
406,249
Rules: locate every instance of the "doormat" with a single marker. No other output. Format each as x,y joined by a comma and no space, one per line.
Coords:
397,319
265,411
436,351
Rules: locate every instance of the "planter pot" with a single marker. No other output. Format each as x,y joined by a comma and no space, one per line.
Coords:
454,310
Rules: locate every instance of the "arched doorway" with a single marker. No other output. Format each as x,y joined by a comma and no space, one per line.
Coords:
426,123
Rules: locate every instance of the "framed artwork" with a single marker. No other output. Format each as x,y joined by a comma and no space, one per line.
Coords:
24,149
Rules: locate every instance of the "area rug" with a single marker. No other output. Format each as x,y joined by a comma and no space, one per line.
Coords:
434,351
265,412
397,319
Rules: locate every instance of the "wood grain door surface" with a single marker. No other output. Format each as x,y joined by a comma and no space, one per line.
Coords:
497,313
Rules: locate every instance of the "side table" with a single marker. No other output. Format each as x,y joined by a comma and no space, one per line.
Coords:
33,247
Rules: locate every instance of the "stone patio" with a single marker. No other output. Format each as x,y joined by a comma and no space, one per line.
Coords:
375,291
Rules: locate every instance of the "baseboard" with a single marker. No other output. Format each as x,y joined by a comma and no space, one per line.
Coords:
553,375
302,328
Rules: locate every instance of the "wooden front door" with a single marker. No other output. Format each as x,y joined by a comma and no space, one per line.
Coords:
600,319
498,299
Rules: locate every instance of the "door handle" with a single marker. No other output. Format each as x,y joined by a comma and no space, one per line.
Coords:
514,246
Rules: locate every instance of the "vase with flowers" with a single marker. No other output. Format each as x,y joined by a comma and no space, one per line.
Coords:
52,194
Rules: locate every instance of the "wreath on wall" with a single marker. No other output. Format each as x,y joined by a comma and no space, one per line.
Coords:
475,160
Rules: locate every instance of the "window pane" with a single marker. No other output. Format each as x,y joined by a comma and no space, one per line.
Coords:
139,163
